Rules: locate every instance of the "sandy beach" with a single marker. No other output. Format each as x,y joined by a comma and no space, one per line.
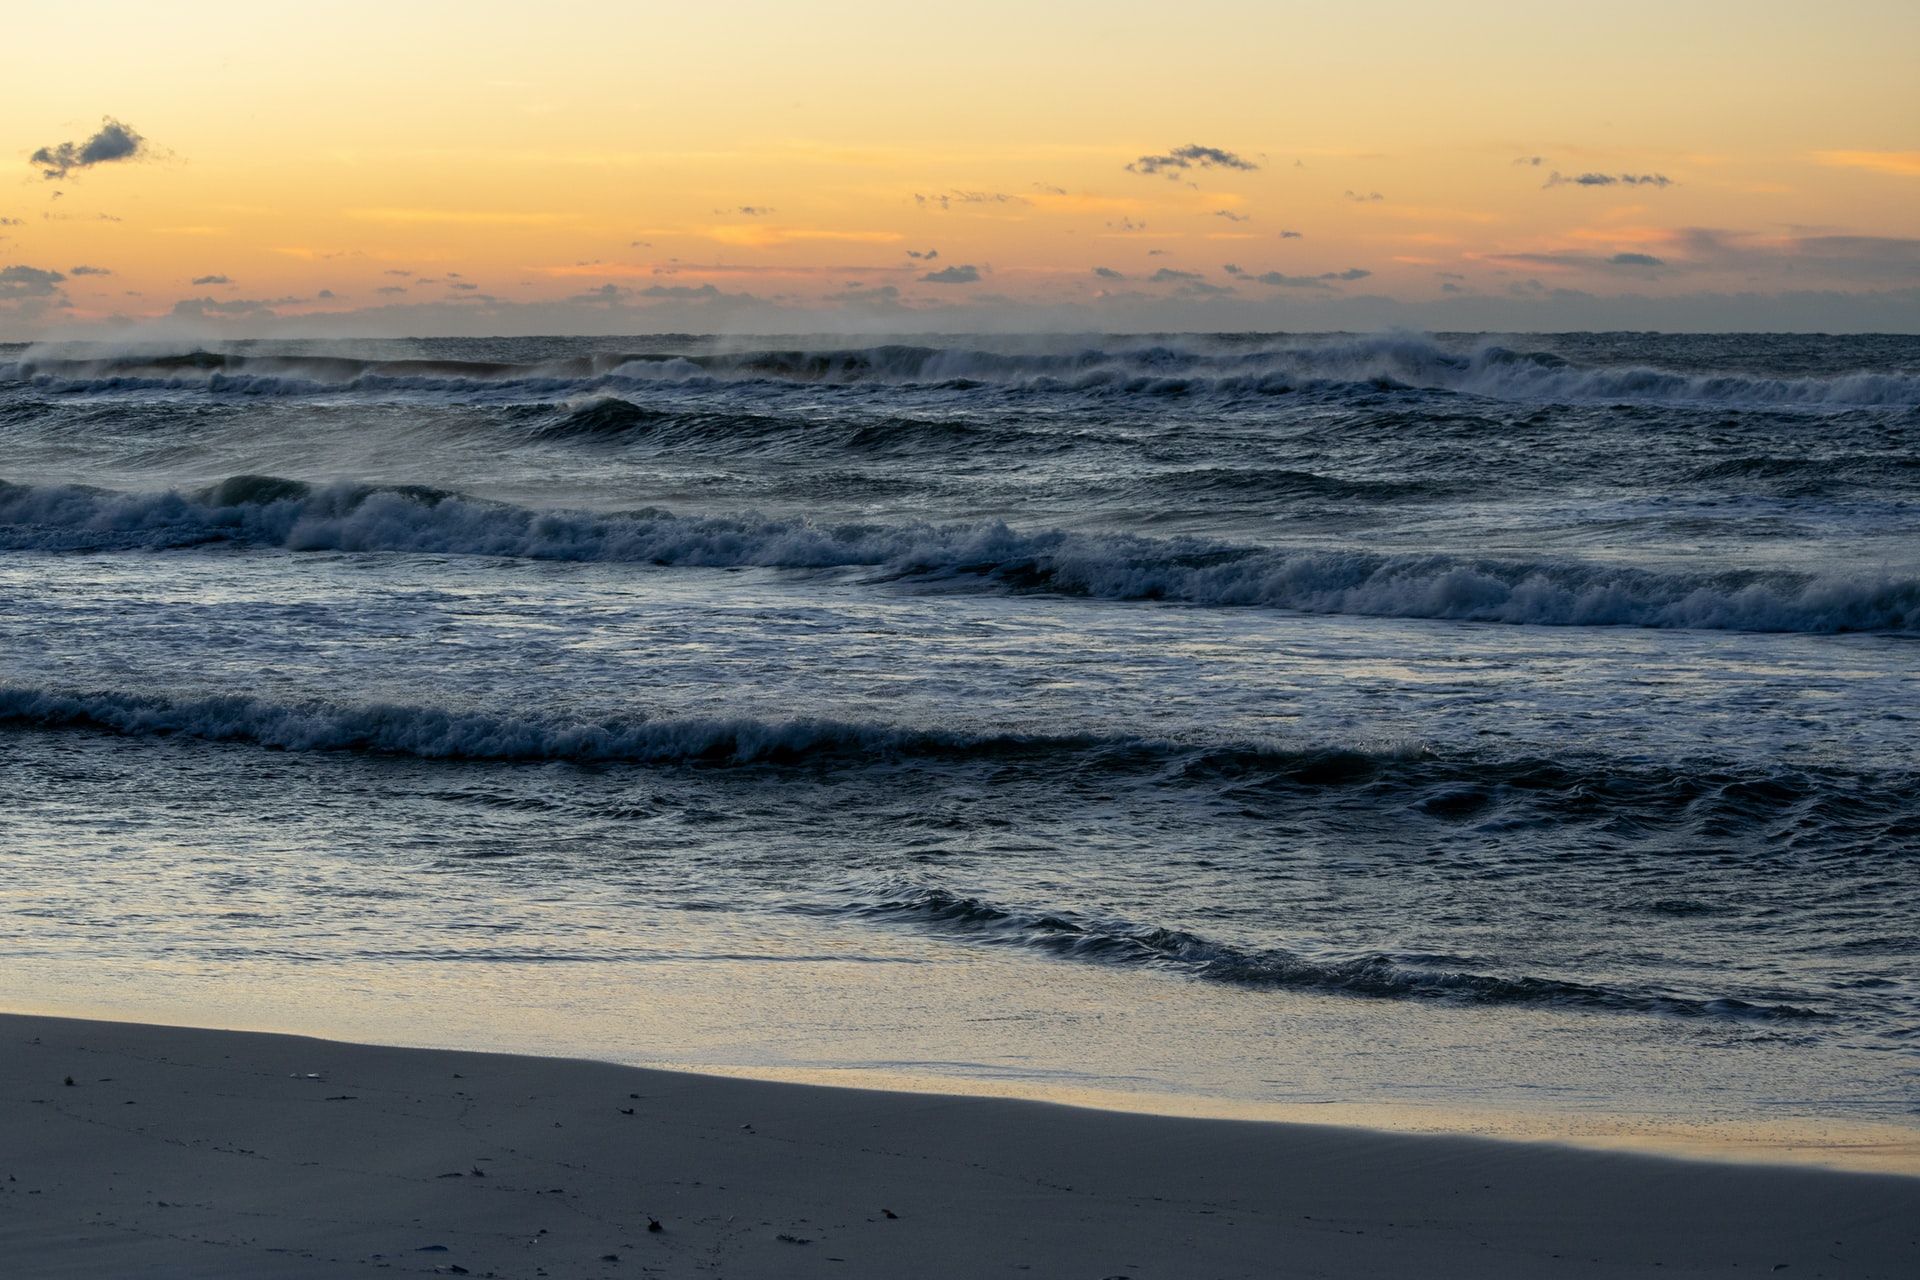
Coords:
134,1150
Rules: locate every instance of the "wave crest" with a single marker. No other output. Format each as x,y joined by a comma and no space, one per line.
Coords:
1099,940
267,511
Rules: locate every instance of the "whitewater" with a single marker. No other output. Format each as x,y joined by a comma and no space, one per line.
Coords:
1234,716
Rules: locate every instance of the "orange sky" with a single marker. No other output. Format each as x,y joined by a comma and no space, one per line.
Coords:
482,167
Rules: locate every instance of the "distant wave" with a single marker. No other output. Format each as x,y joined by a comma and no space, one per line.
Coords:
1275,366
1099,940
268,511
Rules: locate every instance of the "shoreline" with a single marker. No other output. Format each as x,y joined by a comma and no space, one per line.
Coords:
181,1151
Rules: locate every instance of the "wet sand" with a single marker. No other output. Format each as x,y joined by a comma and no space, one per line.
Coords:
179,1152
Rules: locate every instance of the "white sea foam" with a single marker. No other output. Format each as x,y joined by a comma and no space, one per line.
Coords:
260,511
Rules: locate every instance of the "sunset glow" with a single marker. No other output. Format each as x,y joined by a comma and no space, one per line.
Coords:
619,167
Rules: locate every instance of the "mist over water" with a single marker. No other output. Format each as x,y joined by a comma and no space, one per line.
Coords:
1525,682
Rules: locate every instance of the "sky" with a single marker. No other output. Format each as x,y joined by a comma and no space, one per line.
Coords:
418,168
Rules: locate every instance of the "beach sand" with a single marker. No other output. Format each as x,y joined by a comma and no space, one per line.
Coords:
177,1152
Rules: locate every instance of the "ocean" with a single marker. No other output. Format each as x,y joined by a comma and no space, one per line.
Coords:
1461,724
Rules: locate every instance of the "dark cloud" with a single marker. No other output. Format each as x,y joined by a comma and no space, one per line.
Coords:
88,271
1156,253
684,292
947,200
391,288
1191,156
462,284
114,141
1231,216
28,282
1168,275
752,210
885,295
1532,162
1233,269
1579,261
390,271
928,256
1450,287
1291,235
1108,273
1049,189
231,308
326,294
12,222
1324,280
1557,179
639,244
963,274
210,280
1126,226
1364,197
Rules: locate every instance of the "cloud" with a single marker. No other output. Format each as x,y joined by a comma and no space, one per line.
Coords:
1168,275
928,256
1108,273
1191,156
885,296
751,210
231,308
1364,197
88,271
1291,235
1532,162
391,288
1322,281
684,292
1901,162
12,222
462,284
1869,259
326,294
1231,216
1233,269
28,282
211,280
1577,261
115,141
1156,253
963,274
1557,179
946,200
1126,226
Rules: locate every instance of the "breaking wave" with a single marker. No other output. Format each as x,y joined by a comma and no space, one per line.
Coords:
268,511
1195,366
1447,787
1078,936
